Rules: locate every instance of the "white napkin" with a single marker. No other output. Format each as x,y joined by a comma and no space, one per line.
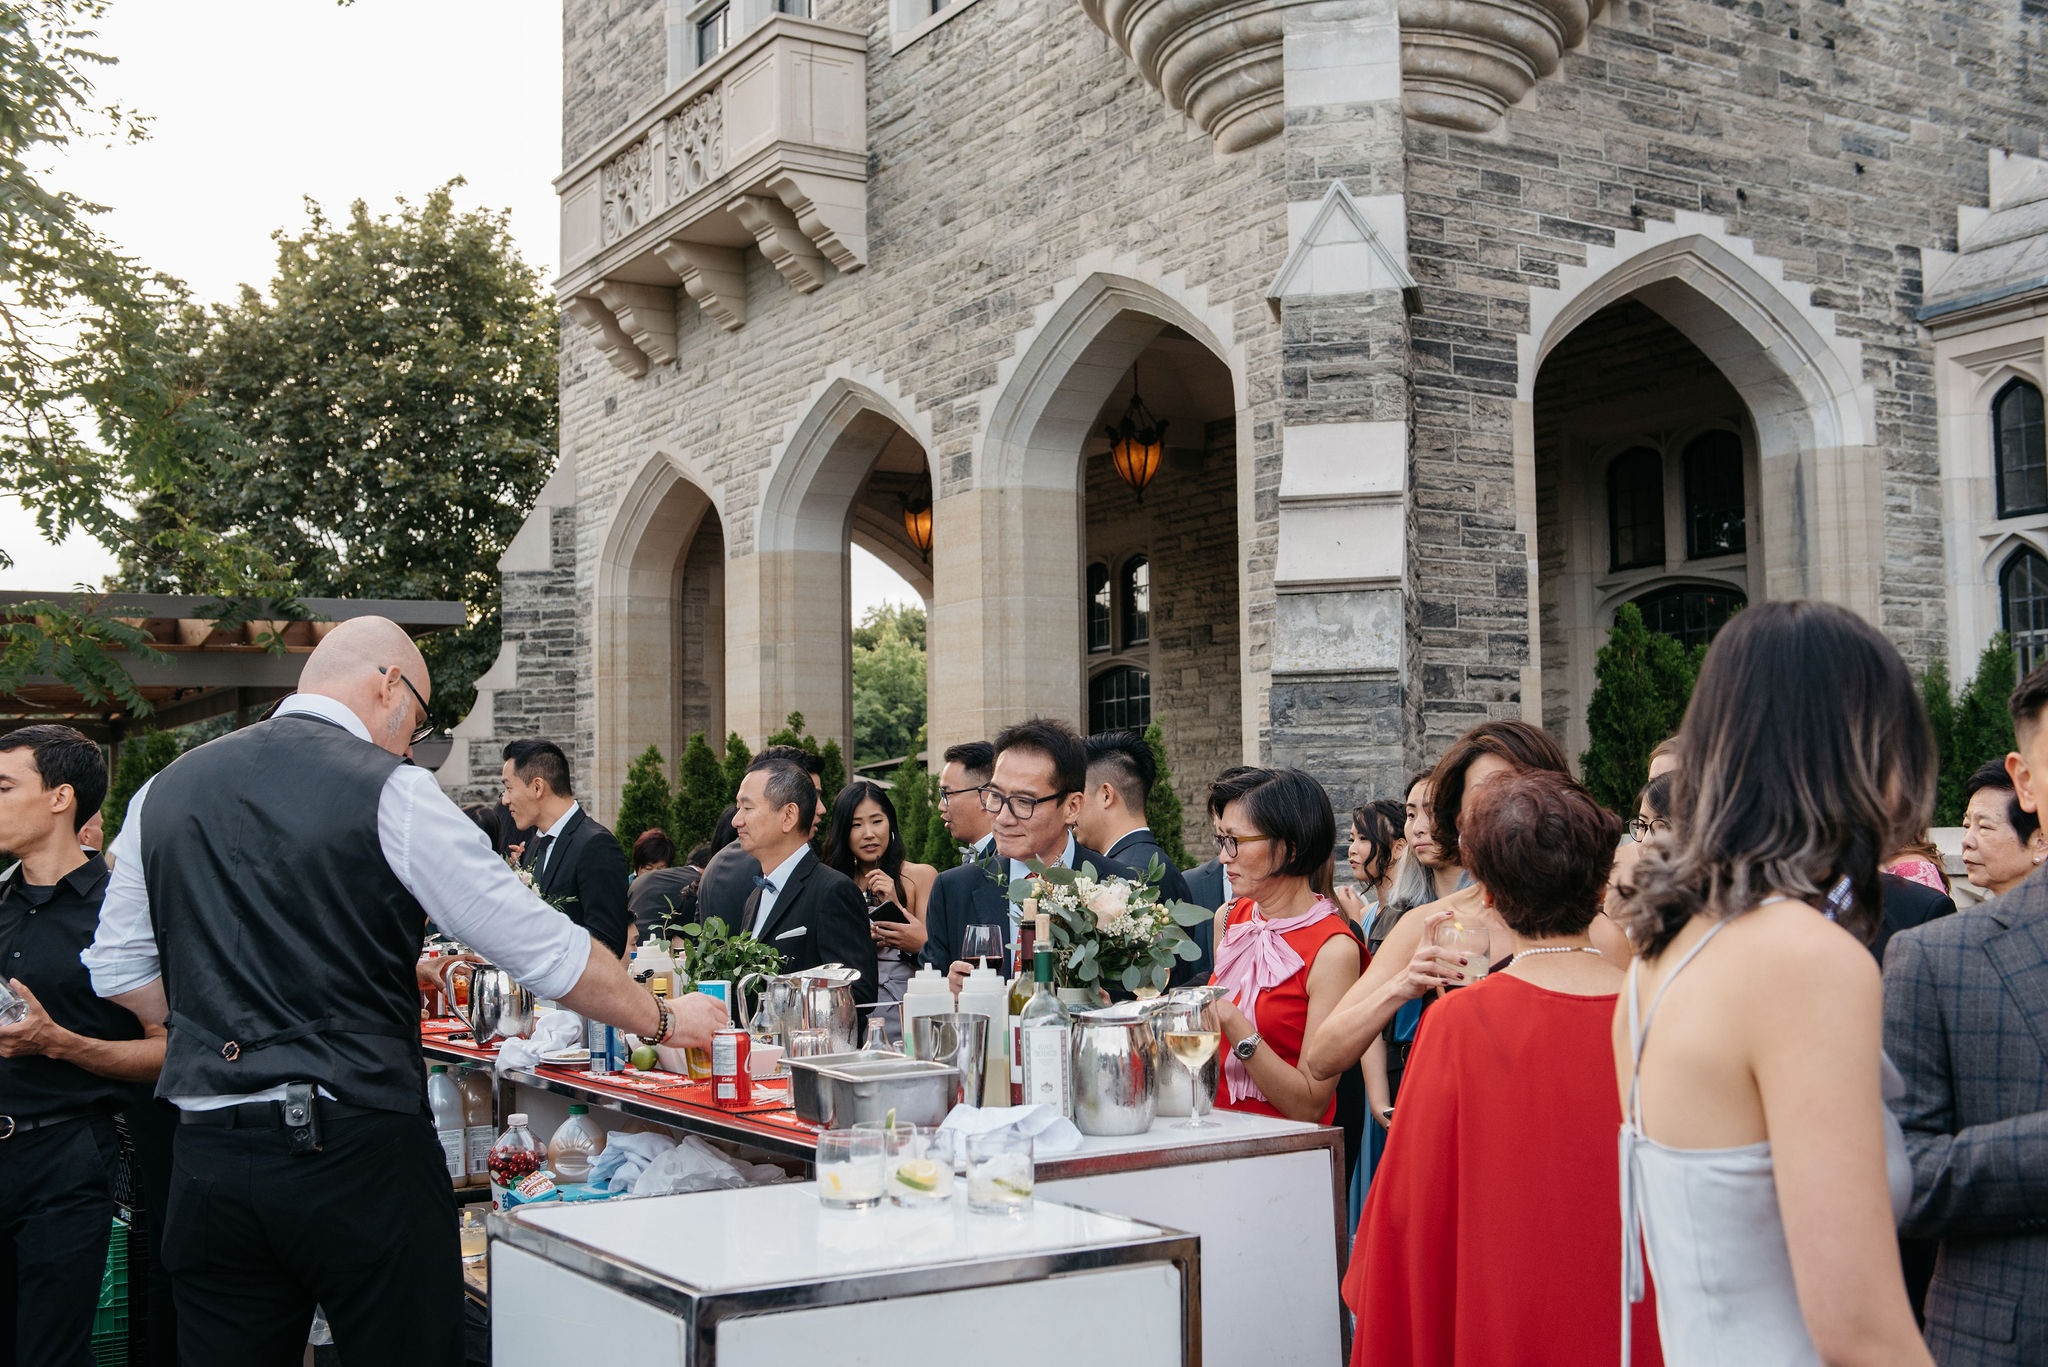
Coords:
625,1157
554,1030
1050,1131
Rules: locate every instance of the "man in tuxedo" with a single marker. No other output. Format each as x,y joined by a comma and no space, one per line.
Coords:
809,913
1034,796
1966,1021
1121,772
577,864
729,878
961,779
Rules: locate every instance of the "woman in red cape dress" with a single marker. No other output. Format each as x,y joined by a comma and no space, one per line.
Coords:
1491,1233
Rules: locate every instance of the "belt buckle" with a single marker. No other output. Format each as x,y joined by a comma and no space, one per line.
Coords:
10,1127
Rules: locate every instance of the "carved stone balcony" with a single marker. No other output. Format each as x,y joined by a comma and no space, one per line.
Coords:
1463,62
765,146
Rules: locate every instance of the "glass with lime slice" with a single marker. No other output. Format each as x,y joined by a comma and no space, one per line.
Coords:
999,1173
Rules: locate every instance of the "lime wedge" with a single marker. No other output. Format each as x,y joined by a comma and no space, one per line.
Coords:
889,1120
921,1174
1014,1188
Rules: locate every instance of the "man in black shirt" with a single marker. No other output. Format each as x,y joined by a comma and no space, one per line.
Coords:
68,1065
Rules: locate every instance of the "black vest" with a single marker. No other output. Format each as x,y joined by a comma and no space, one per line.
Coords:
287,943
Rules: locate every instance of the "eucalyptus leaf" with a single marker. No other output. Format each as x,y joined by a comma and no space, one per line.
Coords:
1188,950
1133,978
1088,972
1188,914
1159,977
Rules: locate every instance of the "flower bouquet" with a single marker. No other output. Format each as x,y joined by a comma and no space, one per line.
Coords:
1111,932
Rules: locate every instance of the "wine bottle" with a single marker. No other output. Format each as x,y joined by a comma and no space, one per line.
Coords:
1020,993
1045,1033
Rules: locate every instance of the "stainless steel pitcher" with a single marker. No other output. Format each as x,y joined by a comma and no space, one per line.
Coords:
1188,1008
811,998
499,1008
1116,1068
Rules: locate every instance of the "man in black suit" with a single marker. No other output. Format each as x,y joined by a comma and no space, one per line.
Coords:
577,864
729,878
809,913
1908,904
1034,793
1121,772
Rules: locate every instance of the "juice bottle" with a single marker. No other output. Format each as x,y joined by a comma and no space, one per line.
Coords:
577,1142
475,1086
445,1101
516,1156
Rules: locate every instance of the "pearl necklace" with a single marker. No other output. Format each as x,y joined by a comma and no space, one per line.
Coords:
1553,949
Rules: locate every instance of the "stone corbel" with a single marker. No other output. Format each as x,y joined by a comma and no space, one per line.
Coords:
713,276
832,212
782,241
1464,62
646,313
611,339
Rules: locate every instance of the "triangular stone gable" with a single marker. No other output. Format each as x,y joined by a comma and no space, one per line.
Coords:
1341,253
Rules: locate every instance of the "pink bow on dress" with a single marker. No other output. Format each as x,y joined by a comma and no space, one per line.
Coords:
1254,956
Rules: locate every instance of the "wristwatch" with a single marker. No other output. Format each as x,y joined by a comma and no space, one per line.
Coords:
1246,1047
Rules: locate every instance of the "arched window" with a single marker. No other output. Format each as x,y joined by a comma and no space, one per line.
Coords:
1119,699
1635,509
1137,604
1098,607
1713,496
2016,431
1690,613
2023,602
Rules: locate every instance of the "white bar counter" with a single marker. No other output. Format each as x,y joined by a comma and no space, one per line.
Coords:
765,1277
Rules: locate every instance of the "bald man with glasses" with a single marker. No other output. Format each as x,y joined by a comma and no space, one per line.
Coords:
1033,797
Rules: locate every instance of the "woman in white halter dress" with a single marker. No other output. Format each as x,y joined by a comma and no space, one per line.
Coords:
1760,1168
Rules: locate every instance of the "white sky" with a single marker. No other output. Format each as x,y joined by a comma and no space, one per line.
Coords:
256,104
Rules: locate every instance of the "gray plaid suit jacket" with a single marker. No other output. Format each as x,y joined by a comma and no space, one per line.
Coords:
1966,1021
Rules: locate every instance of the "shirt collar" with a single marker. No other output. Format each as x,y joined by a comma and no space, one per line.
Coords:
1066,861
555,830
780,876
325,708
80,882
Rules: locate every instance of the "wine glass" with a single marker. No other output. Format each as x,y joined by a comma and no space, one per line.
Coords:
1193,1040
1469,939
983,942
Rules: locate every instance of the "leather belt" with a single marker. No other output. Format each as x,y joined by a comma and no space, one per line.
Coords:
268,1115
23,1124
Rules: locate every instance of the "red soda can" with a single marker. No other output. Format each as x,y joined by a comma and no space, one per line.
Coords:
732,1077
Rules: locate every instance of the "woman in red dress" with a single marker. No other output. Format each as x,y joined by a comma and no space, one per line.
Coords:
1486,1239
1284,950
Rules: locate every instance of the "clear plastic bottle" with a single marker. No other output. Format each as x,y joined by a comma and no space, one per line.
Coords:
515,1156
477,1131
577,1142
444,1099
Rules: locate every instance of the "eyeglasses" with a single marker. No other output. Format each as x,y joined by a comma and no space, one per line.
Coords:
1227,844
948,794
426,726
1641,830
1021,805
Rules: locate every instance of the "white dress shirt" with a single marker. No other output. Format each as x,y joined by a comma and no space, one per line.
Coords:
435,851
780,878
1018,869
551,835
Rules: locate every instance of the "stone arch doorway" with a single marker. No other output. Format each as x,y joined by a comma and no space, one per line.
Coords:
850,465
659,626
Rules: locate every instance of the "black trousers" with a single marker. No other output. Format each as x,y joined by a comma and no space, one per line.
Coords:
257,1236
56,1209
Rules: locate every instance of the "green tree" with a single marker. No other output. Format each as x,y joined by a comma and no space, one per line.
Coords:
832,774
395,396
1971,728
914,815
1162,805
92,413
1642,682
645,803
737,758
888,682
143,754
701,795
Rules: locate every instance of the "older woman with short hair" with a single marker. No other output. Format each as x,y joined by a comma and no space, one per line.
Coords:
1285,951
2002,841
1503,1160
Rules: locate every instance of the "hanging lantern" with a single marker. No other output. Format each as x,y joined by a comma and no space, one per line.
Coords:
917,525
1137,442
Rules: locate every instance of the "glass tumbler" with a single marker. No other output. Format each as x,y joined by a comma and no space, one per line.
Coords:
999,1177
850,1169
917,1165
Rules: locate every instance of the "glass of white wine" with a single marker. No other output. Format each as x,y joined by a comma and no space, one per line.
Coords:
1194,1048
1469,939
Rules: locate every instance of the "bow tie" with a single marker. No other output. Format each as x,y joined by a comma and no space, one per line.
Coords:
764,884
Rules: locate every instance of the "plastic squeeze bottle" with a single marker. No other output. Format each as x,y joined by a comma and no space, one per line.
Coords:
986,994
927,994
